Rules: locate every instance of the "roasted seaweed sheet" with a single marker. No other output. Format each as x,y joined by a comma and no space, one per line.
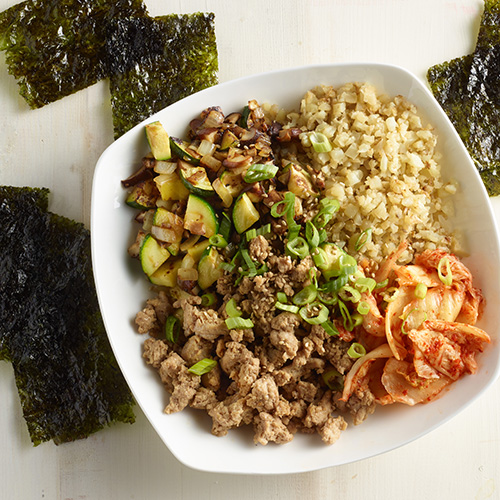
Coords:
56,47
50,326
467,89
156,62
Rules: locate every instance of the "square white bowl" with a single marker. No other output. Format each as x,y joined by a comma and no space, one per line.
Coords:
122,288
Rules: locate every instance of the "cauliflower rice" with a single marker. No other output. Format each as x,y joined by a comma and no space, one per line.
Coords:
384,169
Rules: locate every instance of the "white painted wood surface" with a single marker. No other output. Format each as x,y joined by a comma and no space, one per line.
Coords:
58,146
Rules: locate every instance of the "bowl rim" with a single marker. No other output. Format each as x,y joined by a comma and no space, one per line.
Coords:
95,217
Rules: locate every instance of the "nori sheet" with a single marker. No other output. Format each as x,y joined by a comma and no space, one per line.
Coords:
51,330
157,61
467,89
56,47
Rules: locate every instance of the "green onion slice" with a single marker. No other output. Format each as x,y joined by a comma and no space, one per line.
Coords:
225,226
348,293
208,299
226,266
314,314
260,172
333,379
307,295
298,247
330,328
421,291
334,286
363,308
287,307
312,234
346,316
382,284
282,297
364,238
217,240
326,212
203,366
172,329
329,299
365,284
237,323
356,350
447,278
320,142
413,320
320,258
232,309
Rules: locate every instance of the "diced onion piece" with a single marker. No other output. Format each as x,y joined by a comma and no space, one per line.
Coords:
223,192
187,274
205,147
164,234
165,167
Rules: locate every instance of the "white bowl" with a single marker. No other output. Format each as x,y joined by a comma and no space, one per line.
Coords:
122,288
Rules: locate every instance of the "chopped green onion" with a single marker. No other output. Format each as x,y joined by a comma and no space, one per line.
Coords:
357,319
298,247
314,313
261,231
252,270
287,307
288,203
335,285
447,278
232,309
346,316
327,298
237,323
349,293
417,318
325,214
333,379
307,295
282,297
363,308
217,240
382,284
251,234
323,236
320,258
293,231
312,234
259,172
225,226
208,299
330,328
203,366
172,329
356,350
226,266
421,291
364,238
320,142
365,284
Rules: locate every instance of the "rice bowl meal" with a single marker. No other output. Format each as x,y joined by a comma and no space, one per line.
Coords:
305,264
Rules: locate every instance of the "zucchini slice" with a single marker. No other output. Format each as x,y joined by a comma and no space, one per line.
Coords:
197,250
152,255
179,149
209,270
195,179
245,214
159,141
200,217
143,195
166,274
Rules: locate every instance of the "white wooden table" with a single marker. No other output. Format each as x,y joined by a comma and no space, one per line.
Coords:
58,146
